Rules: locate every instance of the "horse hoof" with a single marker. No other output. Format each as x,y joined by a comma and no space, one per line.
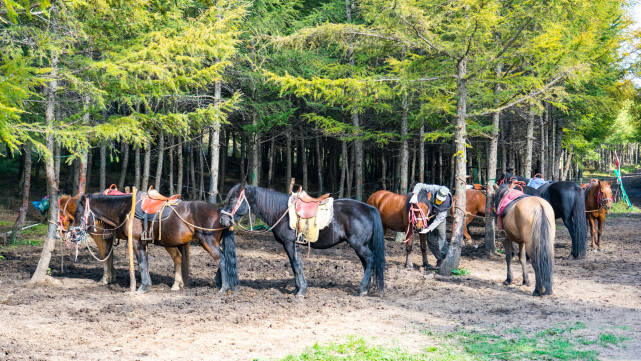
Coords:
409,265
507,282
105,281
536,293
526,283
143,290
547,293
176,287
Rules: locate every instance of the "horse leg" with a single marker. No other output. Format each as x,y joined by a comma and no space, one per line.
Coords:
466,234
184,269
408,252
143,264
423,242
367,260
207,241
507,245
593,232
522,259
601,220
176,256
297,268
108,275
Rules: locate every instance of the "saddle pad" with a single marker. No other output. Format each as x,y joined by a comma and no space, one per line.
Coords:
509,199
536,182
140,214
310,227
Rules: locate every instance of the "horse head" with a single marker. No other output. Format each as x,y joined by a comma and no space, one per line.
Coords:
605,194
236,205
422,212
66,212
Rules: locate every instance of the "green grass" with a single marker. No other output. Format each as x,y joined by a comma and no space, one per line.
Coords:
460,272
587,174
6,223
556,343
622,208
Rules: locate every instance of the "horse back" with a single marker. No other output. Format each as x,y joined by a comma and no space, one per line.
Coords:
392,208
518,222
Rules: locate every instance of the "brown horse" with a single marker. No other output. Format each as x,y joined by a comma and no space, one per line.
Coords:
474,206
188,221
399,215
104,239
529,221
598,200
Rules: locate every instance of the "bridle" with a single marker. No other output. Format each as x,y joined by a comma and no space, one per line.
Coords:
239,202
414,215
602,202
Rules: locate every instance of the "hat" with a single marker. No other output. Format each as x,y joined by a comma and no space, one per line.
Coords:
441,196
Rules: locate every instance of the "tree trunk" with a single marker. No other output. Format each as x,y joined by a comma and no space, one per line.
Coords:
383,171
52,186
215,151
170,154
288,136
421,154
180,168
319,165
272,154
341,187
146,167
567,165
136,167
75,173
223,162
88,172
254,146
303,157
404,147
529,145
103,166
161,152
358,159
558,149
543,148
57,159
192,170
201,167
490,233
26,187
451,261
350,173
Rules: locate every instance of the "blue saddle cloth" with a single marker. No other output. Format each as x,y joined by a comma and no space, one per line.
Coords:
140,214
536,182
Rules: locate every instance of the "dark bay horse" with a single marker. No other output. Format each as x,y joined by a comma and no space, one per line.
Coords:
354,222
474,206
104,236
188,221
567,200
598,201
529,222
399,215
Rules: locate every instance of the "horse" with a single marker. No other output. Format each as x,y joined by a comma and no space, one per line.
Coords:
187,221
354,222
529,222
399,215
567,200
474,206
598,201
104,239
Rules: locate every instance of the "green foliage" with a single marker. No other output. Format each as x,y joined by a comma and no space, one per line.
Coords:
460,272
621,207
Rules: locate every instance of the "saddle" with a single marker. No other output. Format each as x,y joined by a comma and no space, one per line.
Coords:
154,207
306,205
509,199
308,215
113,191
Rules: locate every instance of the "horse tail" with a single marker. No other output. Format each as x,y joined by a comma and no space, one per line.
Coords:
377,245
229,253
543,245
579,225
184,266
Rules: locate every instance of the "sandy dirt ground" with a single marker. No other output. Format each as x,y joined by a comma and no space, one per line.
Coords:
83,320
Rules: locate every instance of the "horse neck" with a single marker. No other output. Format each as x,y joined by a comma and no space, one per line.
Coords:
113,211
270,211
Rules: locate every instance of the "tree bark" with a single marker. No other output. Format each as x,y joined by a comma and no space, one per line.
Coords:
529,145
192,170
255,144
52,186
404,150
170,154
215,151
383,171
26,187
558,149
490,232
341,187
223,161
272,155
567,165
201,167
421,153
56,164
103,166
146,167
288,137
350,172
543,148
161,152
452,259
319,165
137,167
303,157
180,168
358,158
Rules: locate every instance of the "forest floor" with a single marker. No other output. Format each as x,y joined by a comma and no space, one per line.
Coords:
595,309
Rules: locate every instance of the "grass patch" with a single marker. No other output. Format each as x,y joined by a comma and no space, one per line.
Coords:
460,272
556,343
622,208
6,223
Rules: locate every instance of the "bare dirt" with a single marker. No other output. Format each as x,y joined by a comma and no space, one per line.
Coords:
81,319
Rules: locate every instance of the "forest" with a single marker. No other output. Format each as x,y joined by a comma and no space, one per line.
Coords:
347,97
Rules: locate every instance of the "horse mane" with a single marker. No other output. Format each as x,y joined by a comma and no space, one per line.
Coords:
421,197
271,203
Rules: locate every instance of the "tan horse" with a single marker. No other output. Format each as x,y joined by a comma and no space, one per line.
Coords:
395,213
529,222
598,201
474,206
104,238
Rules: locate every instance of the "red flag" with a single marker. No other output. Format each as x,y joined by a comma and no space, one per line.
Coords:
617,160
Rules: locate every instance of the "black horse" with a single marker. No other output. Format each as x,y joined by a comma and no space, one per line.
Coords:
354,222
568,201
189,220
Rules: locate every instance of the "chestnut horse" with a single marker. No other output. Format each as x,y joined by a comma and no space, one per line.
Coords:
529,222
104,238
598,200
188,221
474,206
399,215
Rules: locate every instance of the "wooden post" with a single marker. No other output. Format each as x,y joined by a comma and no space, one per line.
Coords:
291,186
130,242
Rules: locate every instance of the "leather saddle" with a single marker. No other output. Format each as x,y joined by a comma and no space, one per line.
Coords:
306,205
153,207
153,201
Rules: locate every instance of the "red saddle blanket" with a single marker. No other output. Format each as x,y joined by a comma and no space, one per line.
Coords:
508,198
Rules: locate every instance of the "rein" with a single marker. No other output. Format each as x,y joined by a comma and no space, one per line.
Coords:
243,198
412,220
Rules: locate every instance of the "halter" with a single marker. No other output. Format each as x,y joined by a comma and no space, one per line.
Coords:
241,198
413,219
61,218
602,202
